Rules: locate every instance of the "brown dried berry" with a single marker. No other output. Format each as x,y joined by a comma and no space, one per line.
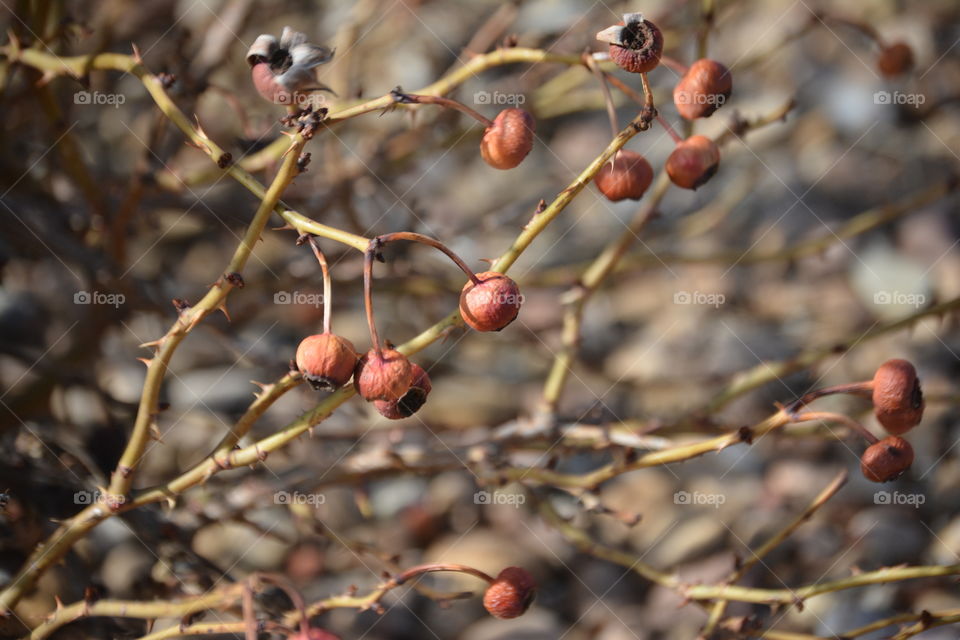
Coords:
703,89
383,377
627,176
886,460
511,594
326,360
635,44
693,162
508,141
895,59
412,400
492,304
897,397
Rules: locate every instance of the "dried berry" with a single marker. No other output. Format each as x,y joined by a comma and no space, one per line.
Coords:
897,397
326,360
635,44
284,71
510,594
492,304
693,162
895,59
411,401
385,376
703,89
886,460
627,176
508,141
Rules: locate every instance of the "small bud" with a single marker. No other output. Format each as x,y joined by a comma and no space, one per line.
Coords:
895,59
693,162
508,141
385,377
703,89
411,401
326,360
511,594
492,304
635,44
628,176
886,460
897,397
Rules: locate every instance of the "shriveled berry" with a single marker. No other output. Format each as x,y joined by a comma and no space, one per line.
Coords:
895,59
693,162
636,44
411,401
383,377
326,360
627,176
886,460
703,89
897,397
492,304
511,594
508,141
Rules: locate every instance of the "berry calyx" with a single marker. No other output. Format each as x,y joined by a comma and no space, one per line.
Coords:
636,44
693,162
627,176
895,59
703,89
510,594
508,140
411,401
897,396
383,374
886,460
491,303
326,361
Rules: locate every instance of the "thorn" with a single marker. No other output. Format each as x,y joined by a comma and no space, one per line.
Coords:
285,227
145,361
203,134
136,53
488,260
59,602
155,434
223,307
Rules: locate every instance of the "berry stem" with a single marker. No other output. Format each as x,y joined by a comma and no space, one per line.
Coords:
430,242
413,98
674,64
837,417
327,288
862,389
666,125
412,572
372,251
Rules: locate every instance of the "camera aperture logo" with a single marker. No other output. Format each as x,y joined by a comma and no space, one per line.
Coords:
898,498
499,98
298,297
99,98
499,497
699,298
99,297
311,499
697,498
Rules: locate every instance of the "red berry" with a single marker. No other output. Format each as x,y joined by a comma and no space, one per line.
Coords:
384,377
508,141
511,594
627,176
895,59
326,360
897,397
492,304
635,44
693,162
412,400
703,89
886,460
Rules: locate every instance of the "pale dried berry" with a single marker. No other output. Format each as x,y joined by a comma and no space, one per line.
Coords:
326,360
627,176
895,59
411,401
510,594
897,397
492,304
703,89
693,162
508,140
886,460
635,44
383,377
284,71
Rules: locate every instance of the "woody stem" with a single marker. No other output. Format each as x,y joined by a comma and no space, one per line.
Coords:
674,64
327,287
862,389
413,98
607,98
666,125
842,419
368,258
431,242
433,568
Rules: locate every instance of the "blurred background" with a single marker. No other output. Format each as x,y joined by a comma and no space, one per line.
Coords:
107,215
